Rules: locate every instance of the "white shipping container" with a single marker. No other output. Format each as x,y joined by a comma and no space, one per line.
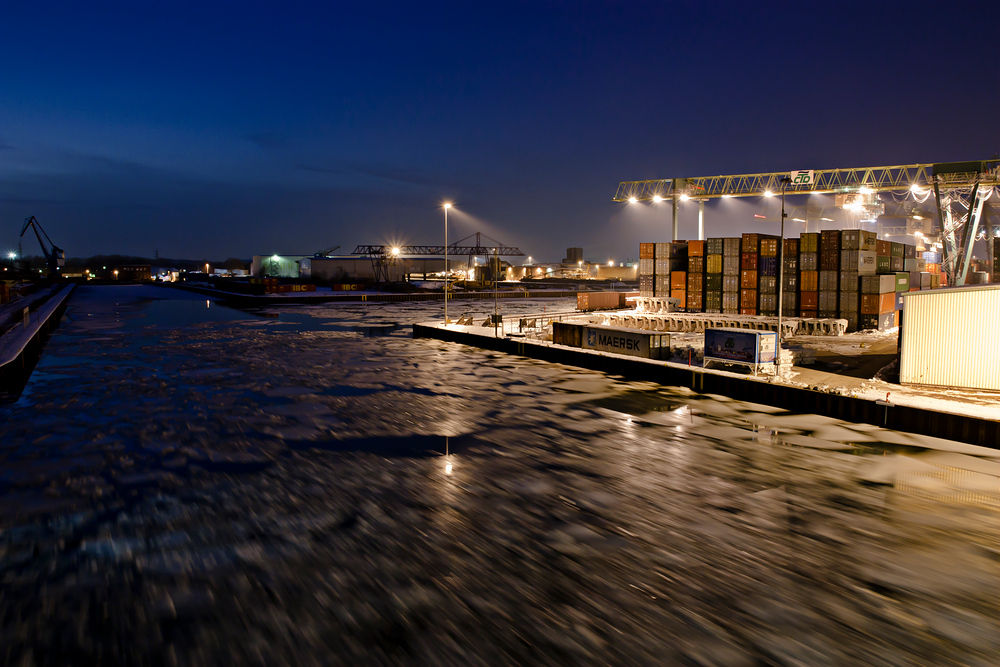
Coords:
948,337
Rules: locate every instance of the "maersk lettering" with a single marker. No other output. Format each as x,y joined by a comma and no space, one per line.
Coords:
617,341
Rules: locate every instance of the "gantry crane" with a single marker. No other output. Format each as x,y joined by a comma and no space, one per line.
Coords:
960,189
55,258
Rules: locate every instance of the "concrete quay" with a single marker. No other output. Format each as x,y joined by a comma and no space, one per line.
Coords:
832,394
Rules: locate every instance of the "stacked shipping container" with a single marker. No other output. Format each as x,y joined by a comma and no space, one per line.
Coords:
834,274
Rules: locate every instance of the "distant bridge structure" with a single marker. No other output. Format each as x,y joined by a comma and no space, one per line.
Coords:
383,256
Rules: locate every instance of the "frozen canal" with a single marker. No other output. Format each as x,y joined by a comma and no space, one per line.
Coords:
182,483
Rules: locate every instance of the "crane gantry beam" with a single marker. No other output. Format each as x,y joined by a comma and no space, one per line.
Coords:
502,250
825,181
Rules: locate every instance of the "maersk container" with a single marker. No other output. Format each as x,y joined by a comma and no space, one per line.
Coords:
645,344
740,346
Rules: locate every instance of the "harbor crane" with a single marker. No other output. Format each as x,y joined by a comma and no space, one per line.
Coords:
55,257
960,190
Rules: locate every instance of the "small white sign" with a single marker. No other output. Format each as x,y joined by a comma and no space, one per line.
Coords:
802,177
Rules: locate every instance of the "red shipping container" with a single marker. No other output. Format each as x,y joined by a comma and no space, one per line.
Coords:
748,311
883,248
748,261
809,313
748,279
809,300
695,301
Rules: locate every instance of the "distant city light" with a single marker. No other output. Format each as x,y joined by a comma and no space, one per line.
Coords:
12,255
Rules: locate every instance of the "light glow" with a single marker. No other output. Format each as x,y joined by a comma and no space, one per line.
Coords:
684,197
865,191
798,220
657,198
727,196
447,204
632,200
768,193
395,252
611,262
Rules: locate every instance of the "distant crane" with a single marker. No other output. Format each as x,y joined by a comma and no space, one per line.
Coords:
328,251
55,257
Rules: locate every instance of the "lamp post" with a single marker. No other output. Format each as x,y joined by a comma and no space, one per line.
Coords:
781,265
446,207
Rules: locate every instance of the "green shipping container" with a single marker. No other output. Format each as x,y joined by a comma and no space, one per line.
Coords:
882,264
903,282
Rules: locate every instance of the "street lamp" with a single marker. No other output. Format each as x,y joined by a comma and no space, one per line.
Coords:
781,265
446,207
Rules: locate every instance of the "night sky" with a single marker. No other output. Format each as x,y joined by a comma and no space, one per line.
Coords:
229,129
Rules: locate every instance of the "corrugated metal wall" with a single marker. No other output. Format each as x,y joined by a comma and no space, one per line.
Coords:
949,338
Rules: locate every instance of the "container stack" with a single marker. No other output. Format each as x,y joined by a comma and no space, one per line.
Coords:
647,266
829,273
857,258
932,263
809,274
790,271
661,276
767,276
677,252
749,260
896,258
713,275
731,275
696,277
878,301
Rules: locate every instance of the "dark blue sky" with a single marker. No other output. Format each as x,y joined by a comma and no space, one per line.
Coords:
230,129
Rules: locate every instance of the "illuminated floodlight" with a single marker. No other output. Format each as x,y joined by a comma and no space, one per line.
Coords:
798,220
611,262
865,191
918,217
447,204
632,200
727,196
12,255
275,257
657,198
395,252
827,219
685,197
768,193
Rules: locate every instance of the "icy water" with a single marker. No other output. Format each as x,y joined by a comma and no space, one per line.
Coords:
183,483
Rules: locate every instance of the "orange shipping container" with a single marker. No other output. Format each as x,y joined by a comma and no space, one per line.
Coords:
696,248
809,281
678,280
748,311
680,295
748,280
883,248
